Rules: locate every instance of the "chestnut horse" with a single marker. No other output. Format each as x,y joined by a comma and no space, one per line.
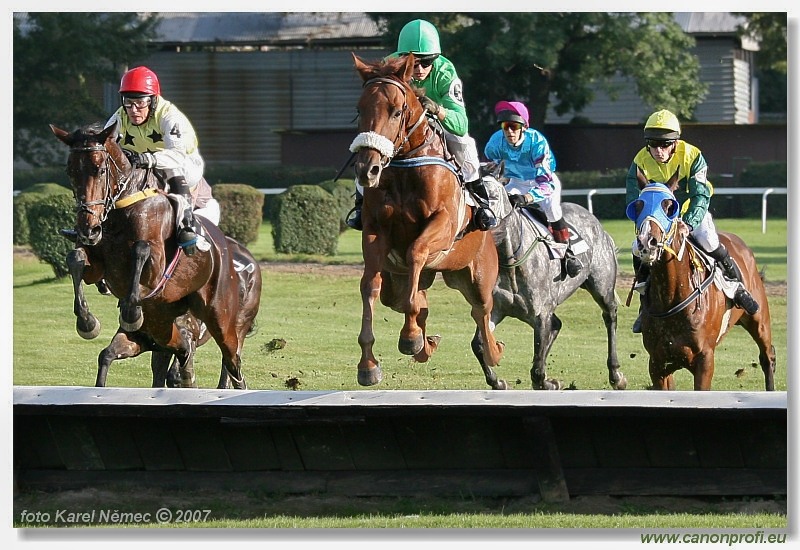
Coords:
415,220
126,234
686,311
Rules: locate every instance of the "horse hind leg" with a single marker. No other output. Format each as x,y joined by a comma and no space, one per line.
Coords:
86,324
122,346
615,376
767,361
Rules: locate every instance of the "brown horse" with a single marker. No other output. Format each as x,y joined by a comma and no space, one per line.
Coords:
686,311
415,220
126,230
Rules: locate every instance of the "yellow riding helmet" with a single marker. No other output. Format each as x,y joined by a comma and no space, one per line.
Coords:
662,125
419,37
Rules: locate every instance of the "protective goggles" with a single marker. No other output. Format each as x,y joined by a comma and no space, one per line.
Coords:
138,103
660,143
512,126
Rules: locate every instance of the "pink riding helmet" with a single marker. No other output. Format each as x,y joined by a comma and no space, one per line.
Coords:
511,111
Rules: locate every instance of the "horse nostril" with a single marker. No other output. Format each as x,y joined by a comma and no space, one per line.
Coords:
375,170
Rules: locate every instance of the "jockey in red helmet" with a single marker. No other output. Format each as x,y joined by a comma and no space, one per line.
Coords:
156,134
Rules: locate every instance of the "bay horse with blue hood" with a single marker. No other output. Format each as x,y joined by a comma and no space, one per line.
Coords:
688,305
416,219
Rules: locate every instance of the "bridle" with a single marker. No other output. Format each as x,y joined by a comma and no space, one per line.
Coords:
110,198
391,148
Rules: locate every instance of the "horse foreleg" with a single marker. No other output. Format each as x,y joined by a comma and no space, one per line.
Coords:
369,369
86,324
546,327
122,346
130,309
661,379
412,335
165,370
702,366
488,372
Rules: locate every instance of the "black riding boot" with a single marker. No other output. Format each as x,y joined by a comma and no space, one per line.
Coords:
642,272
483,218
560,231
731,271
187,232
353,219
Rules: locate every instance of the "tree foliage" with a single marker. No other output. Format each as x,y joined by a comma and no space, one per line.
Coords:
563,57
61,60
769,29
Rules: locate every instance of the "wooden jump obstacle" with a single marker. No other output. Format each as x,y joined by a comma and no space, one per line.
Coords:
378,443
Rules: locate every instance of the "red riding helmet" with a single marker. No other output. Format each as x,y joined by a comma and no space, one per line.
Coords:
140,80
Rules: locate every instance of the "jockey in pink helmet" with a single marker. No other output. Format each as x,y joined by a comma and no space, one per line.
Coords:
531,168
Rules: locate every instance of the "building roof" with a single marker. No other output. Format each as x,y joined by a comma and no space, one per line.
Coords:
265,28
712,23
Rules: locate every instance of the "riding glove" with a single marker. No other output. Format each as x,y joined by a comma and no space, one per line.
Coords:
430,105
520,200
141,160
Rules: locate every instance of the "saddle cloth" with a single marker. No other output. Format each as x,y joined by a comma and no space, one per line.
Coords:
557,250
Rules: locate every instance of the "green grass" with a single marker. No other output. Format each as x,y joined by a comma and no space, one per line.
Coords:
318,316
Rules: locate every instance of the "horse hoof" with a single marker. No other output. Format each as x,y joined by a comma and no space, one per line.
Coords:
501,385
370,377
88,333
133,326
411,346
621,382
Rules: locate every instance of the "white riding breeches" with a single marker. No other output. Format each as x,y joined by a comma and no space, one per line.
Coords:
210,211
550,205
466,153
706,234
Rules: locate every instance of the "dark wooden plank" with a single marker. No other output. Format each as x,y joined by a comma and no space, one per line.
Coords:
322,447
75,443
34,446
676,481
546,459
715,446
373,445
250,448
575,440
116,443
619,442
201,445
156,445
670,444
763,444
289,458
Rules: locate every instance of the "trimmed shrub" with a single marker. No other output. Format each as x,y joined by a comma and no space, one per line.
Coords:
22,203
45,217
343,192
241,207
306,221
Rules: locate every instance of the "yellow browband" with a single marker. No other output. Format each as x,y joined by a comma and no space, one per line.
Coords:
136,197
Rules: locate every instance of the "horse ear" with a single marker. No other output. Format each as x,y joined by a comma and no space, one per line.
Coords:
408,69
361,66
641,178
62,135
501,168
671,208
672,183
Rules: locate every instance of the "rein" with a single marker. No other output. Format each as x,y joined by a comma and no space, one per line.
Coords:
696,293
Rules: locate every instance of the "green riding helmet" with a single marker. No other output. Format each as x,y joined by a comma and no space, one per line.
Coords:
420,38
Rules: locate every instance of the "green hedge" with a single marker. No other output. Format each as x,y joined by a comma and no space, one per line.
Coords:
343,192
306,221
22,204
241,207
45,217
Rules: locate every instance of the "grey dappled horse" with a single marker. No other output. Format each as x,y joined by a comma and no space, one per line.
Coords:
530,285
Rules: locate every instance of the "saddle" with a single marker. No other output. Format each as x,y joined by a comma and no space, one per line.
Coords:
542,229
703,260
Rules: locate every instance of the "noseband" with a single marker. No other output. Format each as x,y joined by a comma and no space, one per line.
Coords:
379,142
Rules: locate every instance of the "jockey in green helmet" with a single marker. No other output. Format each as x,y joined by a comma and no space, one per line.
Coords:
444,100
